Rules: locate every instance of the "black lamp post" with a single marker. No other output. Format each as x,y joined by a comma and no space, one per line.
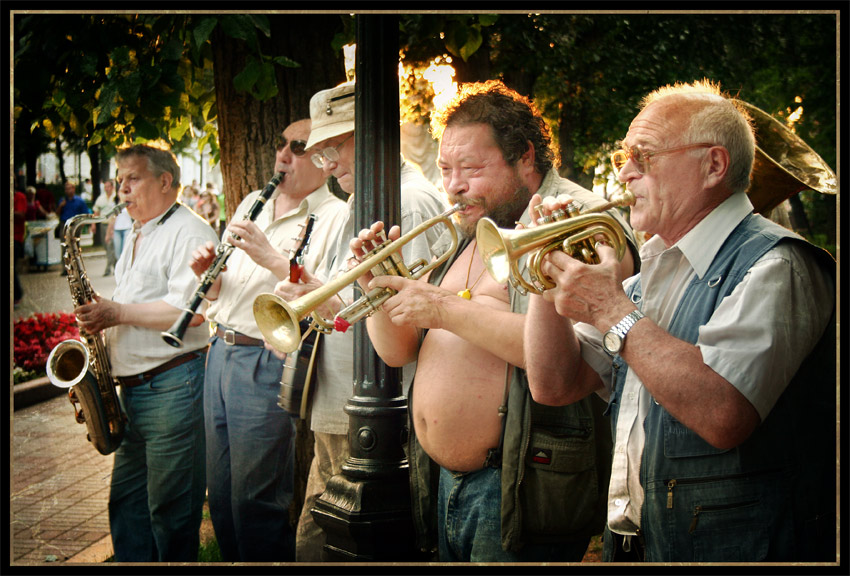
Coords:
365,511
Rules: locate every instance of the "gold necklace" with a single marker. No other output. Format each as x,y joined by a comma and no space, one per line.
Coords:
466,293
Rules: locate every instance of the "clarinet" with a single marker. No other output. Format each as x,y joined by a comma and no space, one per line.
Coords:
174,335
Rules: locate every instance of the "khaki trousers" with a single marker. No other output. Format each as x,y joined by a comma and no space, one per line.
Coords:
331,451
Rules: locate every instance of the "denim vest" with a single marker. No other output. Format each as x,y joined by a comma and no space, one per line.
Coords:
772,498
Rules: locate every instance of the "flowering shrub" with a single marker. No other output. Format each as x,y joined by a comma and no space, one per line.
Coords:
37,335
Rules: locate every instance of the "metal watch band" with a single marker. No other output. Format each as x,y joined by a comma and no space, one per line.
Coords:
624,325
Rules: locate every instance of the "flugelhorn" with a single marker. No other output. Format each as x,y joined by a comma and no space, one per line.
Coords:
279,320
501,248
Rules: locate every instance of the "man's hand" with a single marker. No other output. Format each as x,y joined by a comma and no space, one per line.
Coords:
290,291
98,315
591,293
202,257
416,303
254,242
367,240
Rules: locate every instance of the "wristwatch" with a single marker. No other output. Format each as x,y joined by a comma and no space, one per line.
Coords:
612,340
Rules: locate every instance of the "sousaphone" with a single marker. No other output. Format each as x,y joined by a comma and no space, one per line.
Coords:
784,164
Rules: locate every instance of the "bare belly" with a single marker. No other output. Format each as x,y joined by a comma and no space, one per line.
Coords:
456,400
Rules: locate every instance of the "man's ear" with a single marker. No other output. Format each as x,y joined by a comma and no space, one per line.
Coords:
166,180
717,165
527,160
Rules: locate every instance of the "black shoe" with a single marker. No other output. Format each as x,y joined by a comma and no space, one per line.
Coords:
64,272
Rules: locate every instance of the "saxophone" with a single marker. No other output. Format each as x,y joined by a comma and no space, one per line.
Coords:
82,365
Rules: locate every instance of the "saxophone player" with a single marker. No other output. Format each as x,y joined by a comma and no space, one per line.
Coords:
249,438
157,488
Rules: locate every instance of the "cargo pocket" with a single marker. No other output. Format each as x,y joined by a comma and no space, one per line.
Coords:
559,490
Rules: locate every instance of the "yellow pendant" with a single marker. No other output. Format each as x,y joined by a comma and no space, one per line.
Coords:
465,294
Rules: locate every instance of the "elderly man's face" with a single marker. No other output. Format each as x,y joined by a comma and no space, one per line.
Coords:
70,189
302,177
342,169
668,196
476,175
147,196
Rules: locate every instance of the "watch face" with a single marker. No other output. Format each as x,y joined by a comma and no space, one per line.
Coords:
611,342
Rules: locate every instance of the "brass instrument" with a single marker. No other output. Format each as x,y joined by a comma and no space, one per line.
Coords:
784,164
83,366
502,248
278,320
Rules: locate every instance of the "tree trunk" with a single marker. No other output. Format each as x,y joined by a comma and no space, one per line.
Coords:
248,128
94,161
60,156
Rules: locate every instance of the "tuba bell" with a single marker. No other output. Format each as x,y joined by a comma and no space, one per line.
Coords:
784,164
572,232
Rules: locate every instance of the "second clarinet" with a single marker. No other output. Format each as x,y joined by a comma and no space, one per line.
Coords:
174,335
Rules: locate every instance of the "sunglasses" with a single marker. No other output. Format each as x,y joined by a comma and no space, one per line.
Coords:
298,147
641,157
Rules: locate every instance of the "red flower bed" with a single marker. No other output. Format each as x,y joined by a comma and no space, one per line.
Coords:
37,335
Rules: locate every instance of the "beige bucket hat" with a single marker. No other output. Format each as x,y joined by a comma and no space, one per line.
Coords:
331,113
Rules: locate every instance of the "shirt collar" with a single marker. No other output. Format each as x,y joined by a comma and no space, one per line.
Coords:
146,228
701,244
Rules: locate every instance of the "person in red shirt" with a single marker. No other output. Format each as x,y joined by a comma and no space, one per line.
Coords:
19,233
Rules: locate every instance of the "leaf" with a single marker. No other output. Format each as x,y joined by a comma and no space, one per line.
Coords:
262,22
179,130
473,43
202,31
245,80
145,129
286,62
266,86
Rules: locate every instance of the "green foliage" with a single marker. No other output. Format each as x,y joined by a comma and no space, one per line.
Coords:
112,79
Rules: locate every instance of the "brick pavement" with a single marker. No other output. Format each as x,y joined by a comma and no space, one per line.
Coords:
59,489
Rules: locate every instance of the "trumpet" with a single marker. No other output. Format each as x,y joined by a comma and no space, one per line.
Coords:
279,320
571,231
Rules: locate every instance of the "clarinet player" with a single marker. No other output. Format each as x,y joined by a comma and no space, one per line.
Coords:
157,488
250,439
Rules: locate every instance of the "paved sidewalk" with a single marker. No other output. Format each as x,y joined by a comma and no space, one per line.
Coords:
59,490
59,482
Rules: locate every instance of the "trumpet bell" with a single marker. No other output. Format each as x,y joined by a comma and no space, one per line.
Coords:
495,248
278,321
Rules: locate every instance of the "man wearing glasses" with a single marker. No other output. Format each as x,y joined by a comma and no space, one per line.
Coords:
249,438
719,357
332,134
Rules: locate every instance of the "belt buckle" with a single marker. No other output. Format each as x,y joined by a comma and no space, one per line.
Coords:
229,337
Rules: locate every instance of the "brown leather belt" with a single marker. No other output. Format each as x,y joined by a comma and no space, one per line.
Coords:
233,338
138,379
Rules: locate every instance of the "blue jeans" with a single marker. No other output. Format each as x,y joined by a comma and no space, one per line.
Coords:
157,490
250,454
118,237
469,523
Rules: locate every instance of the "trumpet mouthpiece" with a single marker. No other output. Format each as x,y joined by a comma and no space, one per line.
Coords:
341,324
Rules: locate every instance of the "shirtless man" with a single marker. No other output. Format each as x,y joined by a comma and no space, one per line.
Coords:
465,332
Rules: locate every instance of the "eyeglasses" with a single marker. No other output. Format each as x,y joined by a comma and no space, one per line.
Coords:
330,154
298,147
641,157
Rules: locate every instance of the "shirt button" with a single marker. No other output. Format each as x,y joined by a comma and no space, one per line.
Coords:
618,502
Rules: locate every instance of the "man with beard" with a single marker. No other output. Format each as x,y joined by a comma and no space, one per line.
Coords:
498,477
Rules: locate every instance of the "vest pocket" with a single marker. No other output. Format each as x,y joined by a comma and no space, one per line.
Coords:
559,490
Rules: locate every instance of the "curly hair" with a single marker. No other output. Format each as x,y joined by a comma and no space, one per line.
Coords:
513,119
